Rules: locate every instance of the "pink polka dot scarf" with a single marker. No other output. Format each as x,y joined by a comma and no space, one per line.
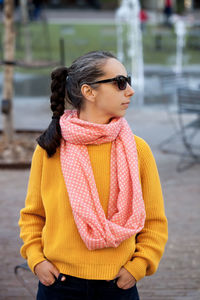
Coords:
126,212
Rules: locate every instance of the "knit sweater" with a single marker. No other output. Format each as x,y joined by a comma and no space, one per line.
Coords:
49,232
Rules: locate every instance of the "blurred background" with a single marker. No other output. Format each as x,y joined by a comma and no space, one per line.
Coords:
159,44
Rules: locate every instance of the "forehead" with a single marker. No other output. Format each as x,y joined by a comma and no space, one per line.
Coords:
113,68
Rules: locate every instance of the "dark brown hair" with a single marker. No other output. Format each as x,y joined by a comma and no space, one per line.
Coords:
66,85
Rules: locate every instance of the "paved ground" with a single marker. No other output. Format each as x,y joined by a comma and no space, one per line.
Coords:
178,276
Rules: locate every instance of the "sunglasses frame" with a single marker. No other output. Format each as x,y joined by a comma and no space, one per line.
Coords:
115,79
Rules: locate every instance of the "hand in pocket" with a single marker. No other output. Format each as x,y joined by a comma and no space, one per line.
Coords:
124,279
47,272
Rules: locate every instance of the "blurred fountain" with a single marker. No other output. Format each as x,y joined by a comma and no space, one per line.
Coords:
180,30
129,44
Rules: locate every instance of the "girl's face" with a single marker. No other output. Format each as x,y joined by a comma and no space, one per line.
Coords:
109,99
106,101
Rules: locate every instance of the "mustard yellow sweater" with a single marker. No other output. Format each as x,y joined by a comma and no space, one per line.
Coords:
48,229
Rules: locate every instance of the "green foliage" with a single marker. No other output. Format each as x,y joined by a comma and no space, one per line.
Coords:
180,7
159,43
78,39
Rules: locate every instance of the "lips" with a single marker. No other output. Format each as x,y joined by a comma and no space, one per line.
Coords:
126,103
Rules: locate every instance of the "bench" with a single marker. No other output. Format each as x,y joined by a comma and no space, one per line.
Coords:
188,103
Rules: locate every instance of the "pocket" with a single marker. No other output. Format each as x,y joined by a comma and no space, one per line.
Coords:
55,283
73,286
114,284
130,292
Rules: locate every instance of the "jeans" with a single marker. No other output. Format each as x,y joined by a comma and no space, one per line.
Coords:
74,288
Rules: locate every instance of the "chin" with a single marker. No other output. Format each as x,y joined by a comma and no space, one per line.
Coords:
122,113
119,114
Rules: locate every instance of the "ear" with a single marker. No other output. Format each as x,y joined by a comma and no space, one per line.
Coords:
88,93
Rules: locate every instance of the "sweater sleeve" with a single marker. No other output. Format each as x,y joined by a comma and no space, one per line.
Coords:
151,240
32,216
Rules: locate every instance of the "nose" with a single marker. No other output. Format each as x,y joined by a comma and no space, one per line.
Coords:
129,91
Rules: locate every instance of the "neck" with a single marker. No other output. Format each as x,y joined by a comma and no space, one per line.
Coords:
94,118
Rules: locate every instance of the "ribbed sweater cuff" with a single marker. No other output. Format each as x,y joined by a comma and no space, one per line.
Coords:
137,267
33,261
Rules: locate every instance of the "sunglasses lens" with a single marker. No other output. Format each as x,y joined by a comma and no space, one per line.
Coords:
122,83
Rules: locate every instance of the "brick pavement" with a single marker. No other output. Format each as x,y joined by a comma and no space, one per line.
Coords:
178,276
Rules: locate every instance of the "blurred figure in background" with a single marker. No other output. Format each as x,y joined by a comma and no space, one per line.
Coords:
168,12
143,18
35,9
1,4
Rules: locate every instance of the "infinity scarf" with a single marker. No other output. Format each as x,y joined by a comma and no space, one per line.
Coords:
126,211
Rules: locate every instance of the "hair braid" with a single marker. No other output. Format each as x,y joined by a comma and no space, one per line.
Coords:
50,139
58,89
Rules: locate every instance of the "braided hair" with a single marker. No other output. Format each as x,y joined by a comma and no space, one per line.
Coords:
66,85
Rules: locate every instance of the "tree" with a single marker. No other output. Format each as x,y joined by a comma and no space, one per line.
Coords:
9,56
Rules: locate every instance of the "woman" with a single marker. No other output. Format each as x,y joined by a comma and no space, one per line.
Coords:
94,221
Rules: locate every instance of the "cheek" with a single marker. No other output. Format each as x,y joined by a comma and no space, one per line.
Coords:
109,103
109,98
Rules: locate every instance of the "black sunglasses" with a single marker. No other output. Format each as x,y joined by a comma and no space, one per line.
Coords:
120,80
